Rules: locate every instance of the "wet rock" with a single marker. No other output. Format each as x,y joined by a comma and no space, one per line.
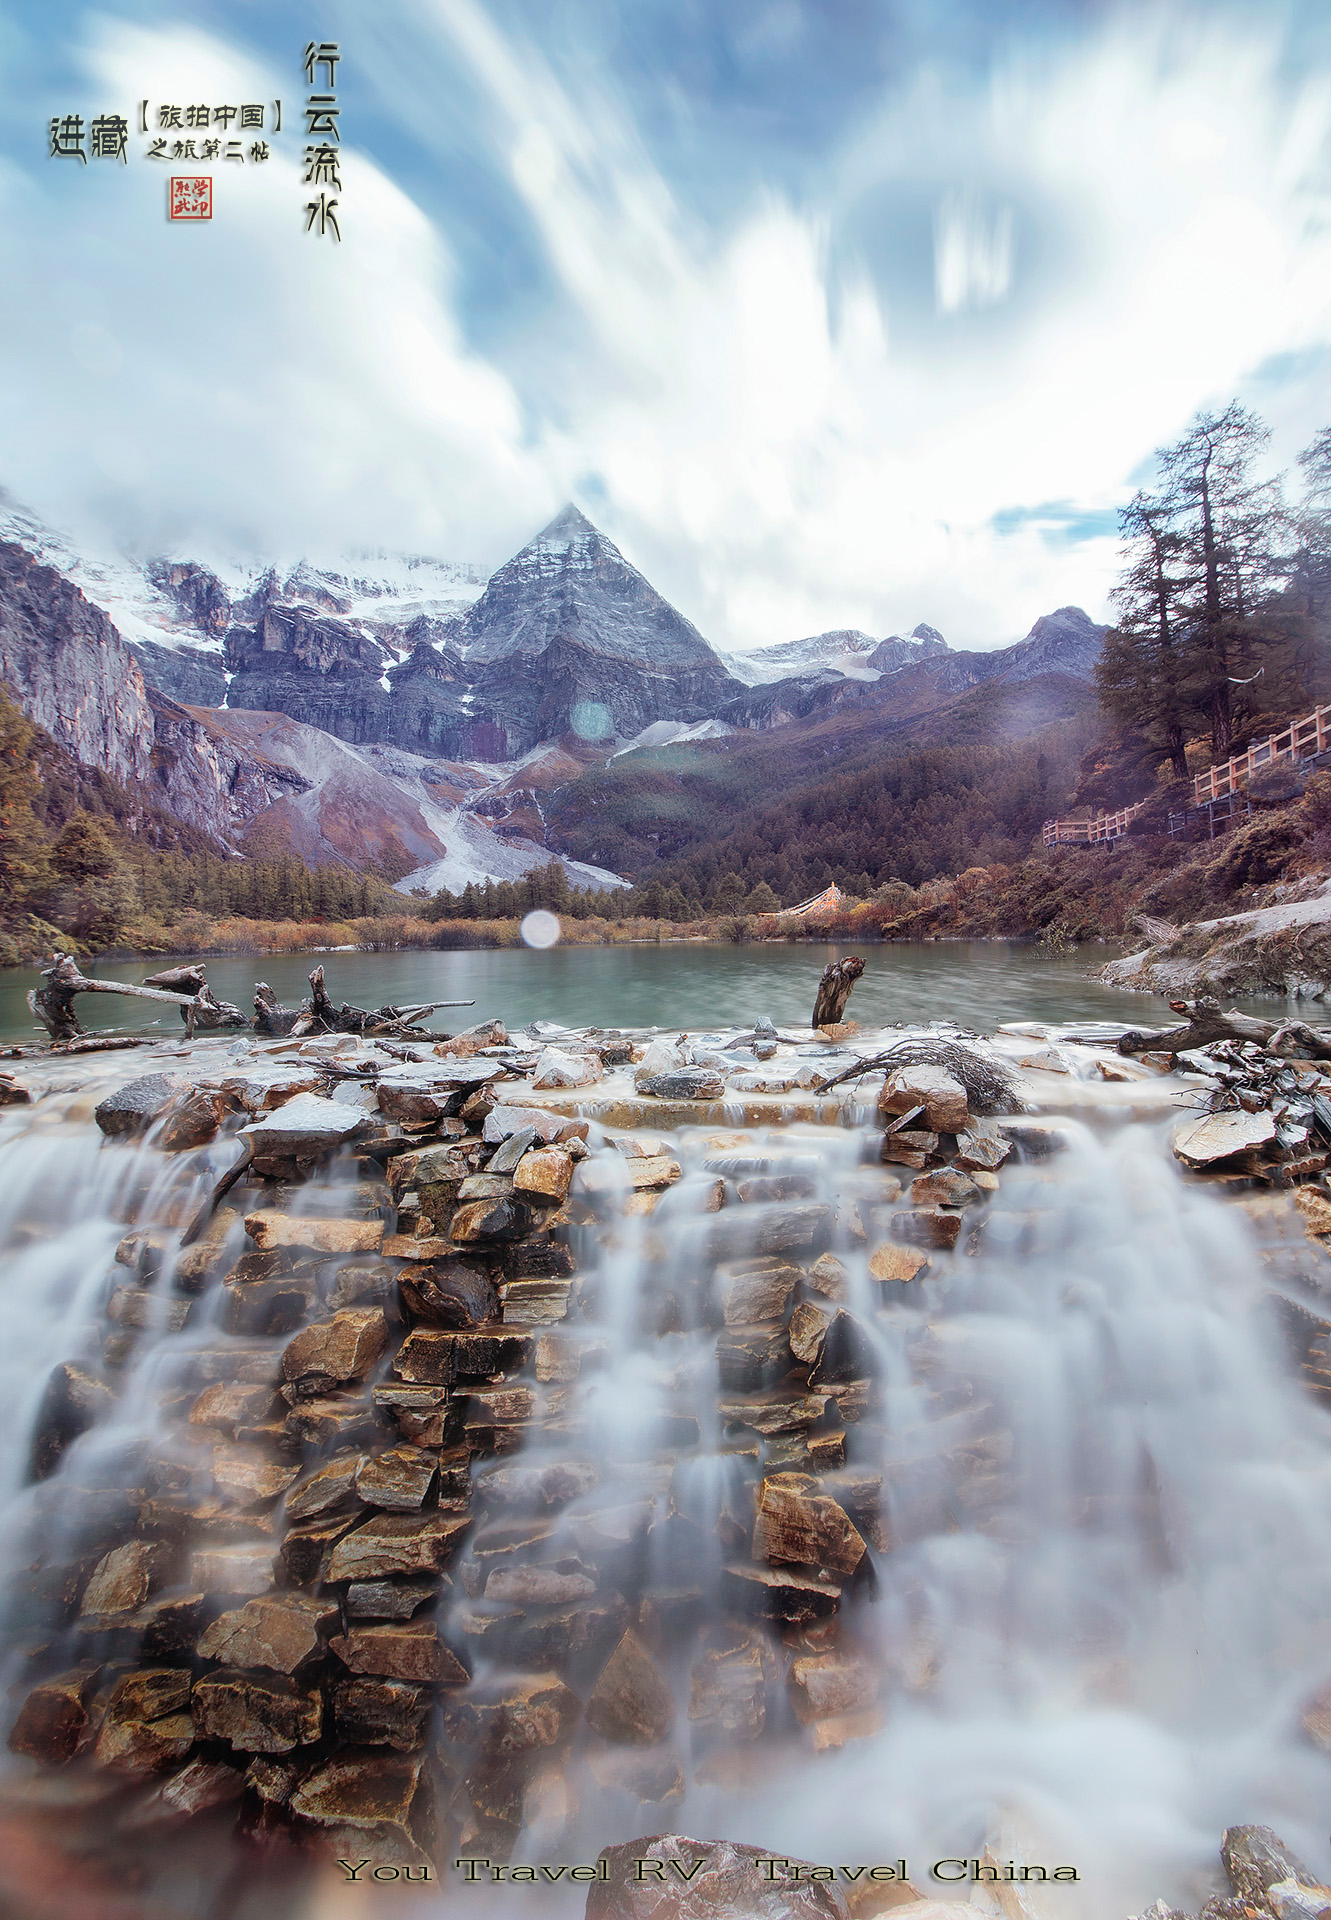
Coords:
444,1166
783,1228
891,1262
307,1550
516,1715
201,1786
982,1149
778,1593
630,1705
558,1068
130,1110
683,1083
486,1186
422,1413
390,1599
335,1351
799,1524
496,1219
848,1352
510,1151
658,1056
751,1291
808,1327
1264,1871
547,1172
727,1885
537,1586
306,1128
933,1088
829,1683
249,1477
728,1689
538,1487
398,1479
418,1094
436,1357
53,1721
779,1410
329,1488
401,1650
154,1312
928,1227
381,1713
233,1571
620,1173
379,1796
280,1631
192,1120
257,1712
654,1776
397,1543
1316,1211
269,1230
828,1276
909,1148
234,1409
750,1358
146,1726
503,1122
330,1420
944,1187
120,1580
1217,1136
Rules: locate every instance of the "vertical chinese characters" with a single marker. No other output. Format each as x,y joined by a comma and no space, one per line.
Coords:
322,153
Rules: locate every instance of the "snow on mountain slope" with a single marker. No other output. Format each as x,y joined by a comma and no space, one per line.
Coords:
845,650
669,733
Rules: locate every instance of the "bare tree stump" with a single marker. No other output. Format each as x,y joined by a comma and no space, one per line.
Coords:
834,990
54,1003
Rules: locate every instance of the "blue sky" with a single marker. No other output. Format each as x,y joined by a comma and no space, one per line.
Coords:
846,314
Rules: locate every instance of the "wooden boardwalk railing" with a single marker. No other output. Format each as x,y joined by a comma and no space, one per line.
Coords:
1303,740
1105,826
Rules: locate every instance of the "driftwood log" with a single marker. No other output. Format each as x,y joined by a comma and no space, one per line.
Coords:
54,1003
207,1013
319,1015
834,990
1205,1024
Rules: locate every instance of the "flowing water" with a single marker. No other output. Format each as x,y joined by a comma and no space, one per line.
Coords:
1096,1503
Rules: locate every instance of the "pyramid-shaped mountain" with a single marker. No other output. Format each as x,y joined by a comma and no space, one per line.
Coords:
568,636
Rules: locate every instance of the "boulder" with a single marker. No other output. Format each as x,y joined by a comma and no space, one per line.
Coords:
538,1487
909,1148
500,1218
507,1154
928,1227
401,1650
146,1727
799,1524
233,1409
307,1550
257,1712
420,1093
1218,1136
944,1187
749,1292
982,1149
557,1068
397,1479
329,1488
250,1477
546,1172
502,1122
130,1110
1262,1869
422,1413
121,1579
279,1631
397,1543
748,1358
269,1229
389,1599
808,1326
933,1088
446,1293
334,1351
725,1883
828,1683
381,1713
435,1357
728,1688
892,1262
378,1795
515,1715
192,1120
630,1705
778,1593
828,1276
306,1128
52,1723
529,1586
848,1352
241,1571
684,1083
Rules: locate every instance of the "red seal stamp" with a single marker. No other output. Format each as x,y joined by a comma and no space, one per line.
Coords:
191,197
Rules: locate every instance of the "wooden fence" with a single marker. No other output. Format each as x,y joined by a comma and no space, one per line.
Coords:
1303,740
1105,826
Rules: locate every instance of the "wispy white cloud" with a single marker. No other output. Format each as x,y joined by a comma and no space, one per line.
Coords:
786,435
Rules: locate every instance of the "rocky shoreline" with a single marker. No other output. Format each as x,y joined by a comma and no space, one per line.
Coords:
370,1589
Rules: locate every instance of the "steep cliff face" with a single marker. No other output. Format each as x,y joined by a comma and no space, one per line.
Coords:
568,636
209,777
314,666
70,670
193,675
